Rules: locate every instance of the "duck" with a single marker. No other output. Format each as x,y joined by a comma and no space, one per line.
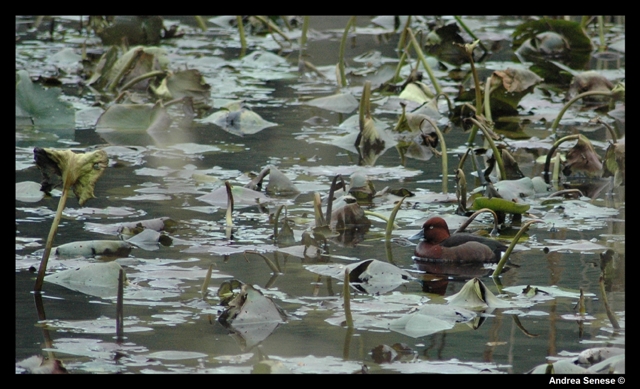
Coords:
438,244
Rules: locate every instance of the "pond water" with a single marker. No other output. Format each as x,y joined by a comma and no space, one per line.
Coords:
169,327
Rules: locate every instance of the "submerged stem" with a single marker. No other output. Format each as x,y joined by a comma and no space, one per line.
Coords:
346,292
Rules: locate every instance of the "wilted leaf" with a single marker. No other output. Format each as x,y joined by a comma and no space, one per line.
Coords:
582,158
348,216
417,92
185,83
614,163
252,316
589,81
475,295
80,171
515,80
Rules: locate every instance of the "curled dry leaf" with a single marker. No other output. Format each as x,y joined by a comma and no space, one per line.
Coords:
583,158
80,171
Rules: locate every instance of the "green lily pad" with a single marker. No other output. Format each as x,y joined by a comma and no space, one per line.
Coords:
41,107
499,205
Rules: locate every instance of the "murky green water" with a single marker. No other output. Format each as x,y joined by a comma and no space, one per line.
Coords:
155,182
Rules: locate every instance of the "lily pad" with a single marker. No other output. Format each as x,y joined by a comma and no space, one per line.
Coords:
341,102
95,279
40,107
238,120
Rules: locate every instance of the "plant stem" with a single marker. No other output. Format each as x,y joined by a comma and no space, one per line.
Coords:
420,54
272,26
346,292
343,43
552,150
610,314
142,77
505,256
443,147
496,152
243,40
487,100
52,233
305,28
474,215
229,219
392,218
564,109
468,30
119,306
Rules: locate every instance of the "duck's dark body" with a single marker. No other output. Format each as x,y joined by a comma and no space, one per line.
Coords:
439,244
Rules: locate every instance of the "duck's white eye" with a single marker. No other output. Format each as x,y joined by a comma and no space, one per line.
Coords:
431,227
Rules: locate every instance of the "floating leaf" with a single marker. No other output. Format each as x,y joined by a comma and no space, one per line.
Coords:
341,102
40,107
241,197
499,205
96,279
369,276
29,192
238,120
430,319
134,118
91,248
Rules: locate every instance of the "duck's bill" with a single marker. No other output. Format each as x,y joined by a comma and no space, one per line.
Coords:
418,236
